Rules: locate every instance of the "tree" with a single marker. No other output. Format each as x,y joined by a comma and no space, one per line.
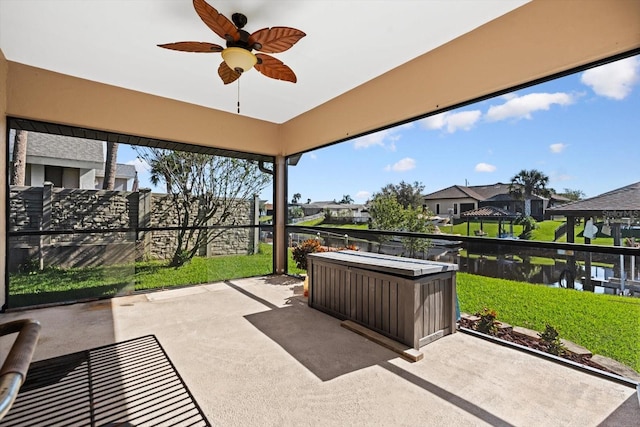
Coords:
406,194
386,214
163,168
296,198
415,220
573,195
528,183
19,164
308,201
110,166
346,199
206,191
296,212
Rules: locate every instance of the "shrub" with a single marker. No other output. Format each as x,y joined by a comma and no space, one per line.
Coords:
551,338
487,323
307,247
528,224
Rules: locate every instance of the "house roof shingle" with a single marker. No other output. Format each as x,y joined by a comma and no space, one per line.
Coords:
477,192
621,199
122,171
64,147
489,212
492,192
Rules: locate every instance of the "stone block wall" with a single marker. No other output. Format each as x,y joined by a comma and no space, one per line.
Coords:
57,209
165,211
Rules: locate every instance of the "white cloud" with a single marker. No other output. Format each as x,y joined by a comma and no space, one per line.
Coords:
382,137
371,139
485,167
614,80
558,148
313,156
521,107
141,165
452,121
402,165
561,177
362,195
434,122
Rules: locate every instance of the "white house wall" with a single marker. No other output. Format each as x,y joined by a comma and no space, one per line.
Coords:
446,204
87,178
37,176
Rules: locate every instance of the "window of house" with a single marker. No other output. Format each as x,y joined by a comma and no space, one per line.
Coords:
53,174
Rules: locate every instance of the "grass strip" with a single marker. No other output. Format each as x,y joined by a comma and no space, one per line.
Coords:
608,325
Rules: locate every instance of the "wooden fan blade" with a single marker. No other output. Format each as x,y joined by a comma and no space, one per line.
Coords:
274,68
275,39
227,74
201,47
219,23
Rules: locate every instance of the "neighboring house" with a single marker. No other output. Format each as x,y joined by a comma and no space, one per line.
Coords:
69,162
124,175
358,212
457,199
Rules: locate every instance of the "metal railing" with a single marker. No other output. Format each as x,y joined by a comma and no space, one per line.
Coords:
575,264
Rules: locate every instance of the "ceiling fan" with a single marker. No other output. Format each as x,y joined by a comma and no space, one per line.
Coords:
238,56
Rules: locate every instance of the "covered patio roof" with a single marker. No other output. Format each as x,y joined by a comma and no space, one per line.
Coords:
489,212
621,202
59,69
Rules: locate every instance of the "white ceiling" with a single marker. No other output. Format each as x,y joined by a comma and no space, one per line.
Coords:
348,42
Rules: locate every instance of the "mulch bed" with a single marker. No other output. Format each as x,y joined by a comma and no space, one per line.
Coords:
526,341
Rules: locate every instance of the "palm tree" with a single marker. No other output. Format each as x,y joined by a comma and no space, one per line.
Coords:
19,164
110,166
346,199
528,183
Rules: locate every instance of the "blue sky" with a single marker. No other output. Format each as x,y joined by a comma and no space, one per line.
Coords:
583,131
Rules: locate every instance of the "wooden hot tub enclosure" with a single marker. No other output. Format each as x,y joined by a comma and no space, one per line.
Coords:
409,300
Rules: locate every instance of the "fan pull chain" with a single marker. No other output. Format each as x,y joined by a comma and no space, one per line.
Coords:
238,96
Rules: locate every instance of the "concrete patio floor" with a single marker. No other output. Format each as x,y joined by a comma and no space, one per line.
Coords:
253,353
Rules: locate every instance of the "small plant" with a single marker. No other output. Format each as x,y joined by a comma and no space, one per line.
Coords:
487,323
181,258
300,252
551,338
30,266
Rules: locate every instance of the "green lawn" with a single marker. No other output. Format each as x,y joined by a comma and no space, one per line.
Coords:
605,324
311,223
60,285
544,233
347,226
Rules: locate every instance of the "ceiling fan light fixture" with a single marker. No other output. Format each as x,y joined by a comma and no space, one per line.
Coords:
239,59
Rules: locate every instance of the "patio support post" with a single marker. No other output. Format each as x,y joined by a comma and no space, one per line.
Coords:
280,215
571,259
586,284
